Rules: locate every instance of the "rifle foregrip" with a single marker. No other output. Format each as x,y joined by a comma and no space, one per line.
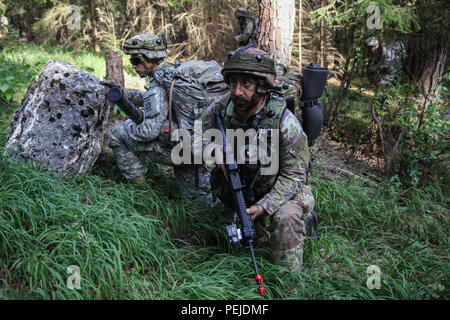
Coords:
245,222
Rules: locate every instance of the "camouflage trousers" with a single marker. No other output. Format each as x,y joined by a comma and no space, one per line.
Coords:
193,181
286,229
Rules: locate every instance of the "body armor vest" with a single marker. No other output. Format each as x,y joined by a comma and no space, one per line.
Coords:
256,185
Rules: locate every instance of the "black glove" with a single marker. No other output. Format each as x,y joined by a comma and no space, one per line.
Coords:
108,83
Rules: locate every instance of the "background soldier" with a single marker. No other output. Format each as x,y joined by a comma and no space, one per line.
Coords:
150,139
384,62
282,197
248,28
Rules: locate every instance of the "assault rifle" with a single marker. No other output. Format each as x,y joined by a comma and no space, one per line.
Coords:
243,232
115,94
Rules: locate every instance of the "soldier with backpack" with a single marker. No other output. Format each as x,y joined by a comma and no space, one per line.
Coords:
150,138
281,198
248,28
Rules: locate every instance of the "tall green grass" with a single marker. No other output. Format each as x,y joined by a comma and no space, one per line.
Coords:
141,243
148,242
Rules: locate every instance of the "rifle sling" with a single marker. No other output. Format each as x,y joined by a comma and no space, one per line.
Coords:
255,125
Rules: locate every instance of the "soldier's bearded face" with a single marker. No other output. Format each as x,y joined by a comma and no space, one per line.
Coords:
243,91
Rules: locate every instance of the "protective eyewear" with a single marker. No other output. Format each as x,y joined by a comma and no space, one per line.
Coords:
136,60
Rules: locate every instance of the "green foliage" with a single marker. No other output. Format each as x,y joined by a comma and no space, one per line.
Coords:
22,63
415,134
12,82
111,43
174,3
149,242
393,14
52,27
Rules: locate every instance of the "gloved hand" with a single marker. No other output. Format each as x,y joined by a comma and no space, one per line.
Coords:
108,83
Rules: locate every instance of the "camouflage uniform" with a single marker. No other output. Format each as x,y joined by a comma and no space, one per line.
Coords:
386,62
284,196
392,56
150,139
247,32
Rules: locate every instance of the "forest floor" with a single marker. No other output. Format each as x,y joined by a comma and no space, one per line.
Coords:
333,158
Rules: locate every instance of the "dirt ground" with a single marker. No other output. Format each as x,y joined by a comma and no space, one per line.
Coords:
331,158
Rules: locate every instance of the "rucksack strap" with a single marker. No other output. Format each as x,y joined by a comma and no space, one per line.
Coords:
170,106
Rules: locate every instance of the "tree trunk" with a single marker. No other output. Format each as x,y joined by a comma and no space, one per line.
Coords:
150,15
426,62
276,29
29,20
323,39
427,49
300,56
134,9
114,72
94,26
211,22
114,67
349,66
214,16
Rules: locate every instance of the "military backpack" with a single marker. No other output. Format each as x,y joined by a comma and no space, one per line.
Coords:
191,87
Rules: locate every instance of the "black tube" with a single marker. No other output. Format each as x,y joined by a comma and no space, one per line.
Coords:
115,94
314,81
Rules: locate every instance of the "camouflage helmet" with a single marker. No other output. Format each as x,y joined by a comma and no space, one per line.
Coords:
241,12
251,61
371,42
146,44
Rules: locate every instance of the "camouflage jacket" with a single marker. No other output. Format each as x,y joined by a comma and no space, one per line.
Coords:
386,63
247,33
292,156
392,56
155,110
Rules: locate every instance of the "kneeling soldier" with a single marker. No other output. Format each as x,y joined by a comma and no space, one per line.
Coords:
282,194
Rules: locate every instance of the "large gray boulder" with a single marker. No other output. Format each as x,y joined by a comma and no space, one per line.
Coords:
61,120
